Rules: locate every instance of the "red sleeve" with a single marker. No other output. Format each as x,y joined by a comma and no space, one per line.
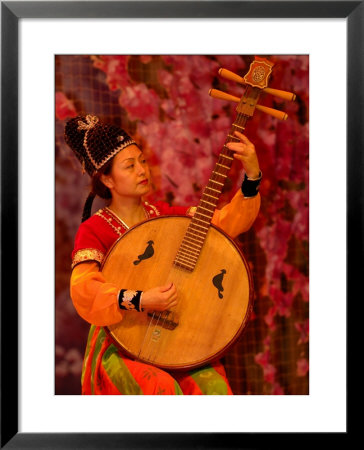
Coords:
95,300
93,239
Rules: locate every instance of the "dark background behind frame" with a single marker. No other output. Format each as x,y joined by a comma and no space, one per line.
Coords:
11,13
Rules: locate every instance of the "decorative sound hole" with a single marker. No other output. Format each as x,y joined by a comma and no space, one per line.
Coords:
156,335
258,74
148,253
217,282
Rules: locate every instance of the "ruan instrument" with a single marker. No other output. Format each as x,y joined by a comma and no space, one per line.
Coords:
212,277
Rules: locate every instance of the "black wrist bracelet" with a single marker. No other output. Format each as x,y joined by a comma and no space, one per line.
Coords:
250,187
130,300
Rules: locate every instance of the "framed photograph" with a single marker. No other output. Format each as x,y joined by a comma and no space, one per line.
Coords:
43,40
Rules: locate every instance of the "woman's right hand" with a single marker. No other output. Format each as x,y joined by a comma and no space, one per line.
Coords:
160,298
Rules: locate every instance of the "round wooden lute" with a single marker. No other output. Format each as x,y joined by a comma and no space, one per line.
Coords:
215,299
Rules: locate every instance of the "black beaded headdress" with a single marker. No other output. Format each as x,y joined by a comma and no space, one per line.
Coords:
94,143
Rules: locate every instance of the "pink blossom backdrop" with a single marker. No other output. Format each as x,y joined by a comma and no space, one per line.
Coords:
163,102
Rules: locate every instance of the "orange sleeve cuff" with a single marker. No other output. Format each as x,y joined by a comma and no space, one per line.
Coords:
237,216
95,300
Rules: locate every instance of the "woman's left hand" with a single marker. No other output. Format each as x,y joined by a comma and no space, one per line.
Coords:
244,151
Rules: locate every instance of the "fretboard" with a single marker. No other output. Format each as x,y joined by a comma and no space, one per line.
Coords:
195,235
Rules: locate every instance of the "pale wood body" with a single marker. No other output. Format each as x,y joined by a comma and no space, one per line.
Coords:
205,325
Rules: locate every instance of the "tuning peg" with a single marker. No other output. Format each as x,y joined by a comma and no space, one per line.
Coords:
272,112
223,95
231,76
215,93
290,96
276,92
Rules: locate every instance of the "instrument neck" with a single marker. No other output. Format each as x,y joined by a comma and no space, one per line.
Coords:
195,236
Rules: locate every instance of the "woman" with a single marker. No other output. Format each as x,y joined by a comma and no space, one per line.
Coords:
121,174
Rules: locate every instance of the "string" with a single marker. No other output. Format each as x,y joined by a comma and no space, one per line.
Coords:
127,228
145,351
179,281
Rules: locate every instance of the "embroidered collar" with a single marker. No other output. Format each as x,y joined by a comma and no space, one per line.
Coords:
117,224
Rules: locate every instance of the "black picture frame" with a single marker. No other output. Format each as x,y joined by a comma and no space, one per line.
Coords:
11,12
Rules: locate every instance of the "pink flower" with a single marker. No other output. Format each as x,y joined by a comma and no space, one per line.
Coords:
277,389
116,69
303,329
234,63
140,102
269,318
262,358
64,107
145,59
302,367
62,369
269,372
282,300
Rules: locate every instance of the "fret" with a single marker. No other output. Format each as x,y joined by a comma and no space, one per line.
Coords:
183,260
212,196
201,207
217,182
200,234
233,137
238,126
189,250
222,165
218,173
184,254
226,156
201,214
193,247
187,243
189,258
199,226
184,266
186,260
206,208
195,238
209,203
203,221
186,240
215,190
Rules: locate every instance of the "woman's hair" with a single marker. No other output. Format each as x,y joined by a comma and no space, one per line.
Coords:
98,188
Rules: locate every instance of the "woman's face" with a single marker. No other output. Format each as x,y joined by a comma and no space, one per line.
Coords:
130,175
